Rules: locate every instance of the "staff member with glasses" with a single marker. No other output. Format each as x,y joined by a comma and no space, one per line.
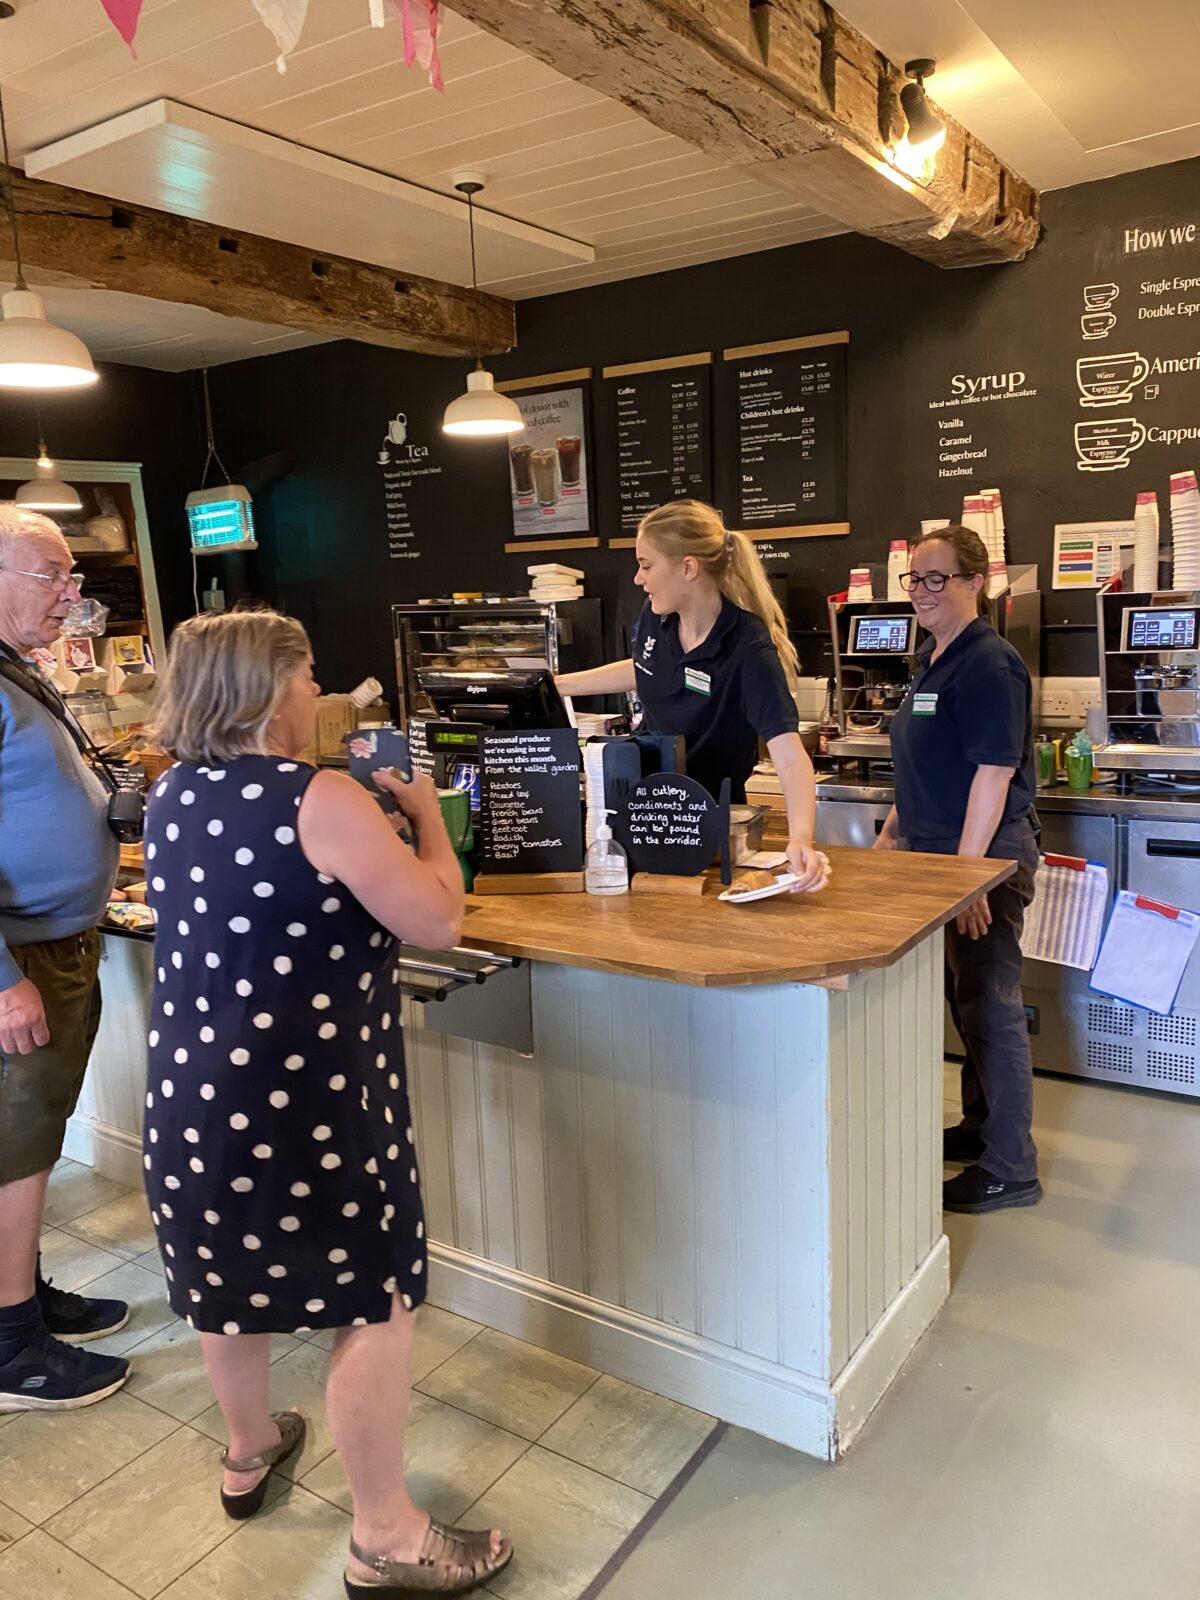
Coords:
58,863
962,745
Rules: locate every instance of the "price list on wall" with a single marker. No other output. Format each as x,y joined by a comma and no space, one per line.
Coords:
788,423
663,430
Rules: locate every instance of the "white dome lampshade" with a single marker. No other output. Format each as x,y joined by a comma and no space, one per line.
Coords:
45,492
481,411
35,353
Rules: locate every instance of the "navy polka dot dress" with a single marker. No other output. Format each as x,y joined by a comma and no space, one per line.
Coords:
278,1143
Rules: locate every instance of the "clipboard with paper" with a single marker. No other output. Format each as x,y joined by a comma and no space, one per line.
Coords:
1146,949
1064,922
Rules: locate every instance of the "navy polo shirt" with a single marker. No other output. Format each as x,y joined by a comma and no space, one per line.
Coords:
971,708
723,696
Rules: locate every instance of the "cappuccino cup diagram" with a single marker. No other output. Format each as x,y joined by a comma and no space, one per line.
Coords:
1110,380
1105,444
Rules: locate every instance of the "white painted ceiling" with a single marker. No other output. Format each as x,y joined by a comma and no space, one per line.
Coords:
1065,91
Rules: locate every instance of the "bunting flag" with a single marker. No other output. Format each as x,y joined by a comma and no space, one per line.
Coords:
420,21
285,18
124,16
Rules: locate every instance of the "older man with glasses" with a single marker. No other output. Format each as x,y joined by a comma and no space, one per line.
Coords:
58,863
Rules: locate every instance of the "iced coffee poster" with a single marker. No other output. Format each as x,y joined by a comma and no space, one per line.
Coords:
548,465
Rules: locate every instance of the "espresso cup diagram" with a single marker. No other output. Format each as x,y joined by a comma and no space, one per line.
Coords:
1097,324
1106,443
1110,380
1099,296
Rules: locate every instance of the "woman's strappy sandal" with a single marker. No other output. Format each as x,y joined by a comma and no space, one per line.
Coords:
452,1560
291,1436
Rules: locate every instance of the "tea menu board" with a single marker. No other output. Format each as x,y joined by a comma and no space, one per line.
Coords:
530,807
669,823
663,429
787,419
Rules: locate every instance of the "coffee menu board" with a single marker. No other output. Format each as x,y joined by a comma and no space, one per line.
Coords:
662,412
669,823
530,807
786,418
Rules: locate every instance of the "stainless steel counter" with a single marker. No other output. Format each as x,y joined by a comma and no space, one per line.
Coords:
1151,845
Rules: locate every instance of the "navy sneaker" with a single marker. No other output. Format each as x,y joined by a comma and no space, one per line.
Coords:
975,1191
74,1319
49,1375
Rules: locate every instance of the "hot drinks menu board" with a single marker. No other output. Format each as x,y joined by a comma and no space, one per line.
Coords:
787,419
530,812
669,823
663,429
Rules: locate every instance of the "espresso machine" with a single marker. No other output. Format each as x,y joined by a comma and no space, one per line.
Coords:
874,658
1150,684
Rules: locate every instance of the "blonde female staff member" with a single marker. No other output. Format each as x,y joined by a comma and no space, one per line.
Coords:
962,744
713,662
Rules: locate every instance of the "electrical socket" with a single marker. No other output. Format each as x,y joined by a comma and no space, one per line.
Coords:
1057,703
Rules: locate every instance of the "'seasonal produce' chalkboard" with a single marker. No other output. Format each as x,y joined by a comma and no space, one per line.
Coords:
663,430
669,823
530,808
786,418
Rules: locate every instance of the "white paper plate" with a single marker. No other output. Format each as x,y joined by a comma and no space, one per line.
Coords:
783,883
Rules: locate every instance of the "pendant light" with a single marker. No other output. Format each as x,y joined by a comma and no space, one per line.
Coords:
34,353
481,413
45,492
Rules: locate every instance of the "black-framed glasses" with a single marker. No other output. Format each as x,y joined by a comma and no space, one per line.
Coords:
934,582
61,581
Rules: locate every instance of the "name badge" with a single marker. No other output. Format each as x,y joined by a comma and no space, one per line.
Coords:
699,681
924,705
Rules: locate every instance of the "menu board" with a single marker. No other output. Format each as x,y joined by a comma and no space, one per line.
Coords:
669,823
530,814
663,429
787,419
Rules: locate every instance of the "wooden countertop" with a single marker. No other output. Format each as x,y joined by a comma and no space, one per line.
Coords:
876,908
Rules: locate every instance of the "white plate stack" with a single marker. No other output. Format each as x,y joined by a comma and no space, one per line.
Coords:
1185,530
1145,543
551,581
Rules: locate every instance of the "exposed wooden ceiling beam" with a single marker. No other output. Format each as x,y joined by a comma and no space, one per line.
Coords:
808,123
139,251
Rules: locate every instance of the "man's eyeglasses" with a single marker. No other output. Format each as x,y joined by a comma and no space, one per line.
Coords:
935,582
58,581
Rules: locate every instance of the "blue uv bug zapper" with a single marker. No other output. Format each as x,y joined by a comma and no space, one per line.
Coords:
221,519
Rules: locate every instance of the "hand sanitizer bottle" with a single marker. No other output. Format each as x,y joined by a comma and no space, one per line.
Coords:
607,868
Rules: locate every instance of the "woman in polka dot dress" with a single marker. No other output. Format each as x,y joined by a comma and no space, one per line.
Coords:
278,1147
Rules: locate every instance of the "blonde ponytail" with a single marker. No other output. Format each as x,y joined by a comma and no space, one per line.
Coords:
691,528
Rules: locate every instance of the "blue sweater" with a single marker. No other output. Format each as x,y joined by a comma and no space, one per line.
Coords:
58,856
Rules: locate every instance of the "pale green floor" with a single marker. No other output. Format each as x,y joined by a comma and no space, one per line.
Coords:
120,1499
1043,1442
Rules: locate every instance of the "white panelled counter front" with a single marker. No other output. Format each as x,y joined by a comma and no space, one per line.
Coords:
693,1145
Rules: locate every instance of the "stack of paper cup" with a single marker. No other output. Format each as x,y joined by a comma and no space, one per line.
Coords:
974,515
932,524
897,566
1145,543
1185,530
860,584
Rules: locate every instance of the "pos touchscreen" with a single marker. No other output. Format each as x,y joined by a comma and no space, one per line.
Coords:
881,636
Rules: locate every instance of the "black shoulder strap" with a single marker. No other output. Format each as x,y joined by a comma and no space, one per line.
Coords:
15,670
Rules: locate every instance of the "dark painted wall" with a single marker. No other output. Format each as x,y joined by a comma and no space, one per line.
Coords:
914,329
132,414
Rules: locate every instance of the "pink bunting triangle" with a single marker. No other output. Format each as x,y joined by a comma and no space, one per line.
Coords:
124,16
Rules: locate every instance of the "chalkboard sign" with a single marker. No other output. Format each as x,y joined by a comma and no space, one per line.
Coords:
669,823
786,419
663,430
530,812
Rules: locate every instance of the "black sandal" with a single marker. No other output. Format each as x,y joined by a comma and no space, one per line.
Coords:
291,1436
452,1560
